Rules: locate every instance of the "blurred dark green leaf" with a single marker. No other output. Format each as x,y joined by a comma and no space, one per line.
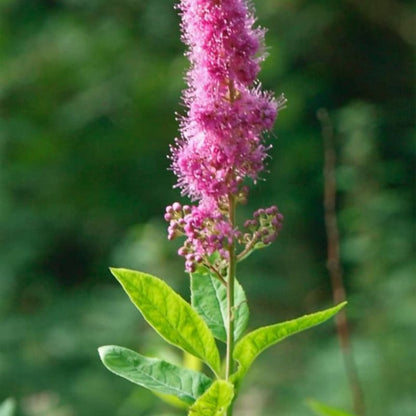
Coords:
323,410
7,407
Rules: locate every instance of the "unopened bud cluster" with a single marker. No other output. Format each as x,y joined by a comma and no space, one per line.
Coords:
263,228
206,232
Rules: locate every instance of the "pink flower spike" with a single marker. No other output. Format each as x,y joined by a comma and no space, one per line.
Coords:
221,142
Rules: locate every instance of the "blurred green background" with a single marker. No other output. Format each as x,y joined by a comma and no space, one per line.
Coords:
88,95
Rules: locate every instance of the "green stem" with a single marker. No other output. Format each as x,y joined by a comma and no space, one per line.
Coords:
229,363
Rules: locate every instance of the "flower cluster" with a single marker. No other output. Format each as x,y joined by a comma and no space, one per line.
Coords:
221,143
262,229
206,231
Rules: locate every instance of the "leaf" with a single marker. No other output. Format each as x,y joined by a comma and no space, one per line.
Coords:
190,362
154,374
250,346
215,401
172,400
209,299
8,407
170,315
323,410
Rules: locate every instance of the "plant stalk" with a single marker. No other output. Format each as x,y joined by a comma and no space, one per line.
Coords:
229,363
334,264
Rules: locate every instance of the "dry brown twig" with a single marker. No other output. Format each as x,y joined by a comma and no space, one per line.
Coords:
333,261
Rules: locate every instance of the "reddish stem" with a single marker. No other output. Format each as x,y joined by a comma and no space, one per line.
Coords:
333,262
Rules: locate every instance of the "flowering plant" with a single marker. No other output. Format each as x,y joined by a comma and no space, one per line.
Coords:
220,150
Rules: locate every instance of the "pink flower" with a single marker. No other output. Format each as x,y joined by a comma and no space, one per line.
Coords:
206,229
222,43
221,141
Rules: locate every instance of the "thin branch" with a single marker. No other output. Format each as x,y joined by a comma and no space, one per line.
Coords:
333,262
247,250
216,272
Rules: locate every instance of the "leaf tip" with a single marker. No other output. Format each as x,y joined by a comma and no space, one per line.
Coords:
114,270
103,351
119,273
342,304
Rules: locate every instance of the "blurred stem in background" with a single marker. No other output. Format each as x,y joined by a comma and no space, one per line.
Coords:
333,262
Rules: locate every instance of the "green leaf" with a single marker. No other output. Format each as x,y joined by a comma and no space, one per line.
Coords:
215,401
209,299
172,400
170,315
8,407
250,346
321,409
154,374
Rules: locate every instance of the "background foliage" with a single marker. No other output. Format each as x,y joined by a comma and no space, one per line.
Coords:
88,92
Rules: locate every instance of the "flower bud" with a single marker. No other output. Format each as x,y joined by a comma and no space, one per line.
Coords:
176,206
